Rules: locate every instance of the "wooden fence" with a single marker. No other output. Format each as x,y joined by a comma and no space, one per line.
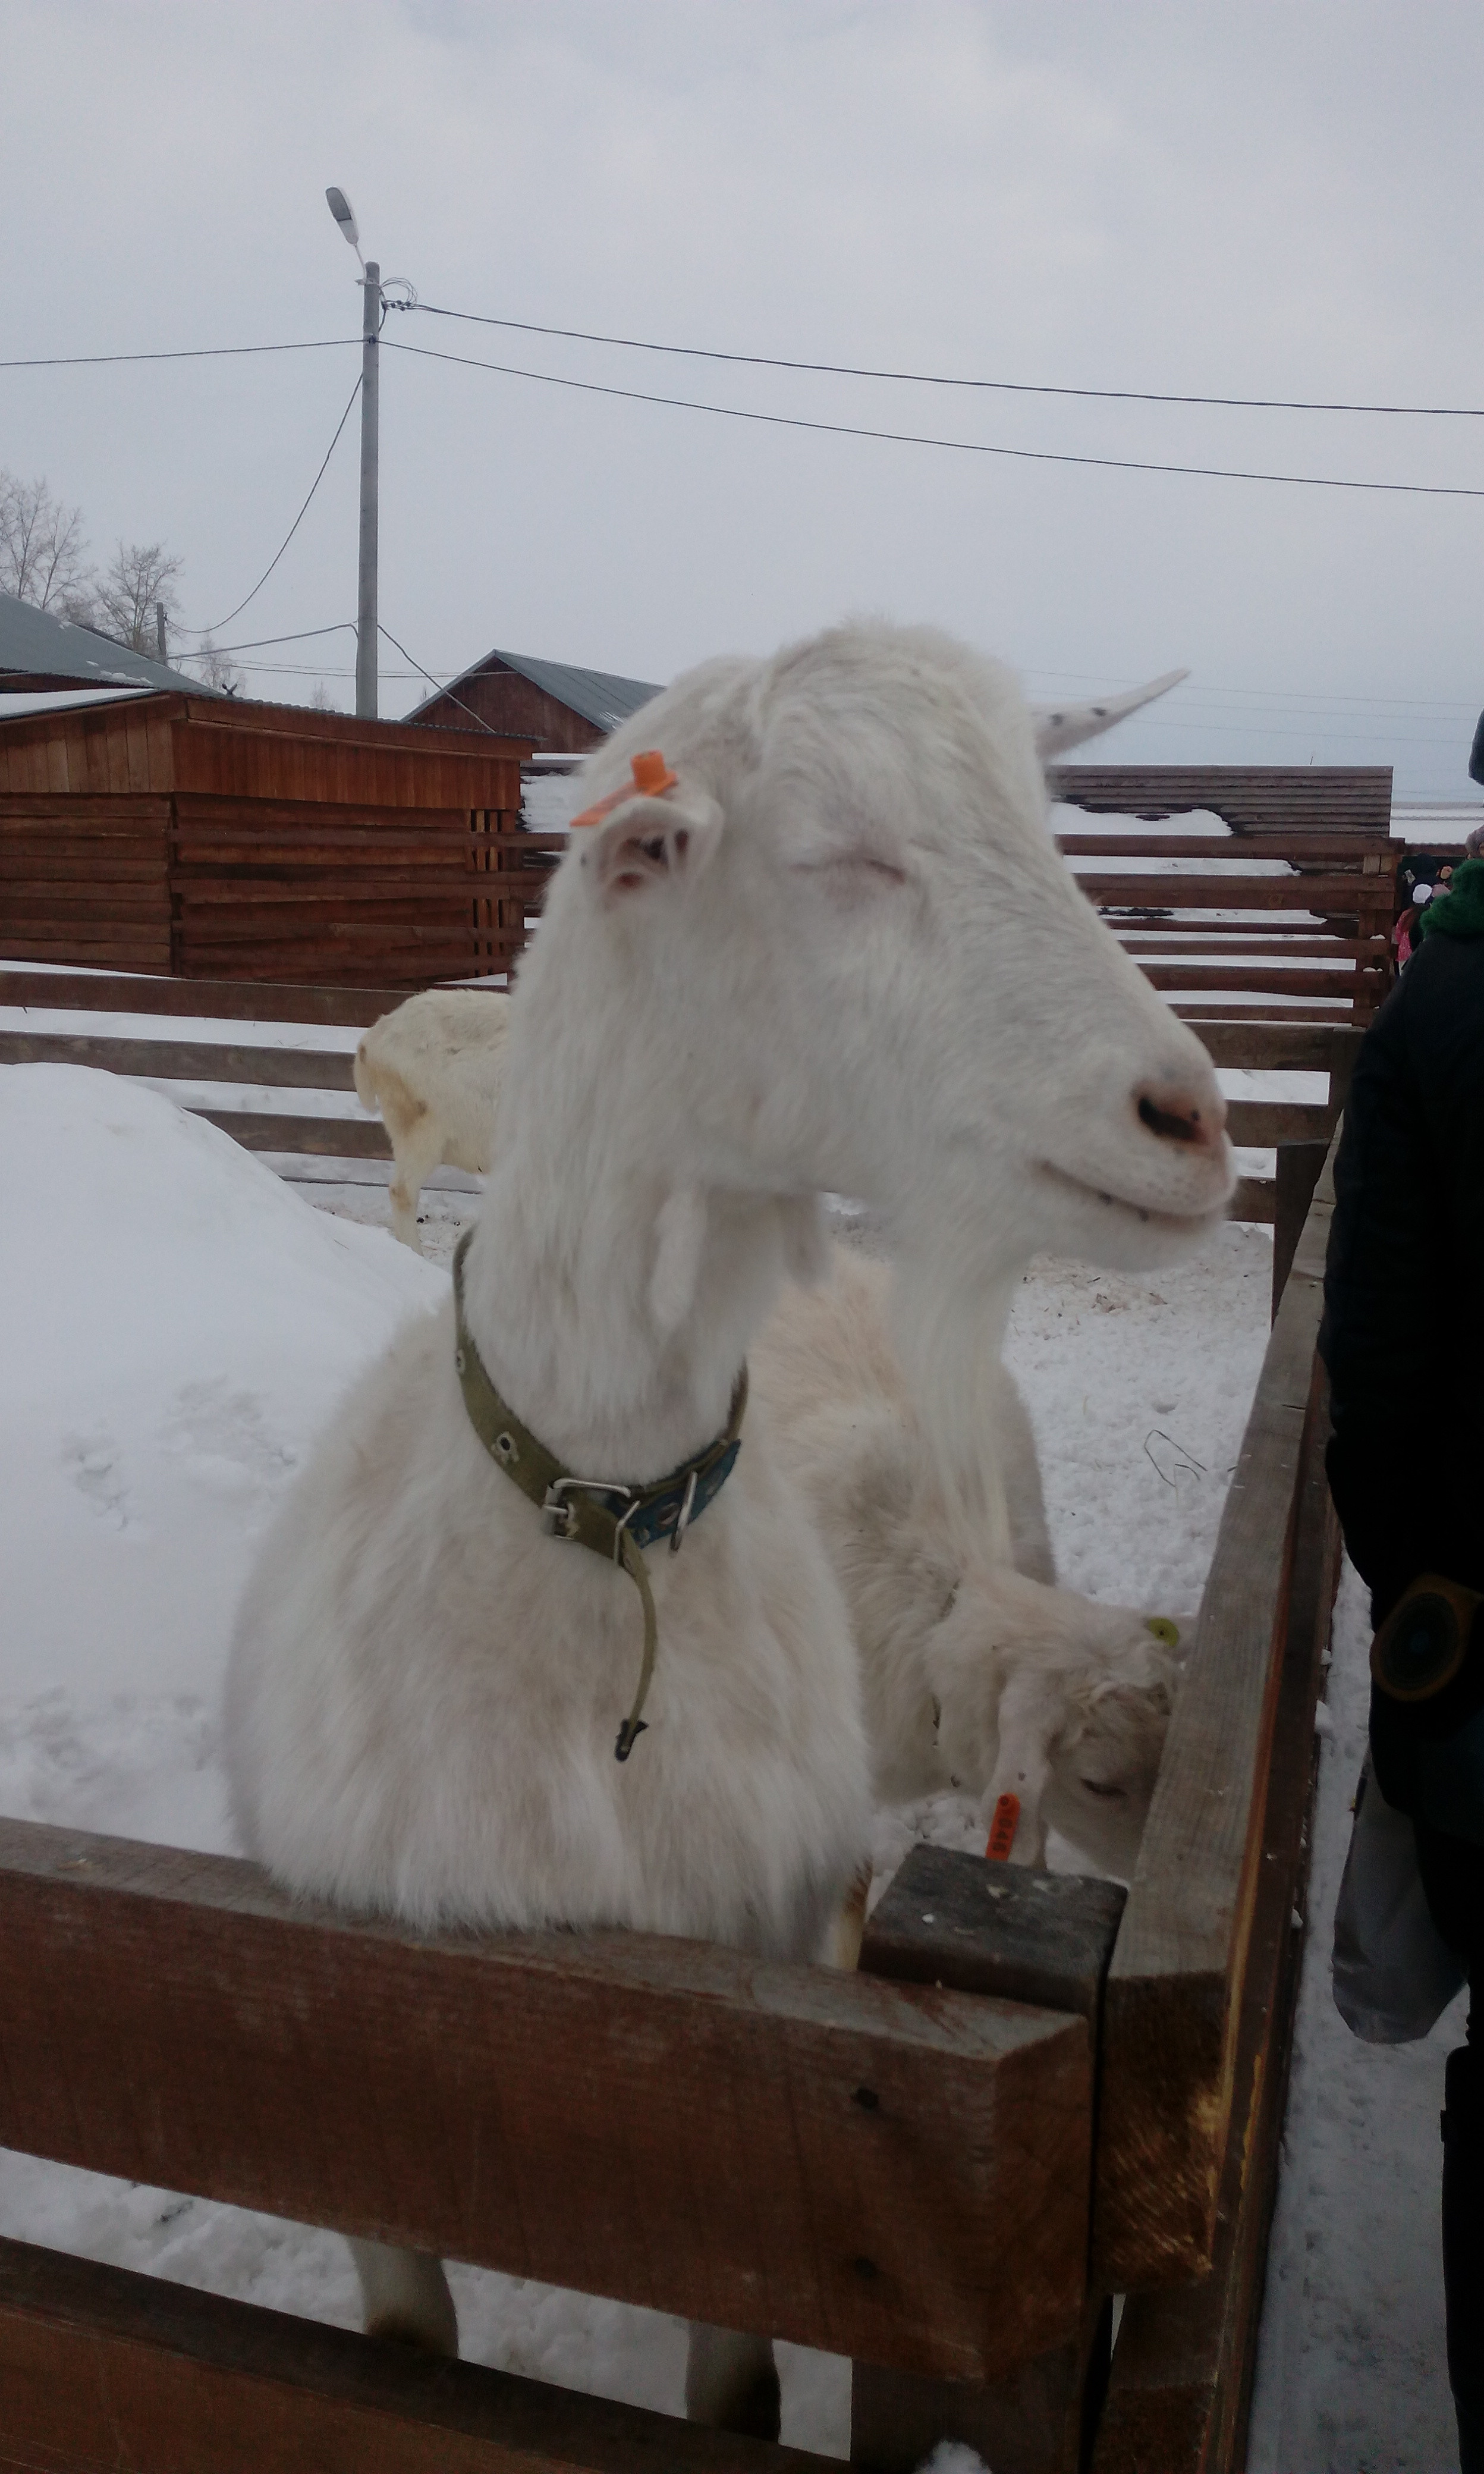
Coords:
944,2165
210,838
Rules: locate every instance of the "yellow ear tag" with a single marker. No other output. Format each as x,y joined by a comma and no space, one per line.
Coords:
1164,1630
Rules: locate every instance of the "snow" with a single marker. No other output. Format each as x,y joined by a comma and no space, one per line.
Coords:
176,1322
1350,2372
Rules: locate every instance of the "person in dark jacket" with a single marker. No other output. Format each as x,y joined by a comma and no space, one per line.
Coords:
1406,1457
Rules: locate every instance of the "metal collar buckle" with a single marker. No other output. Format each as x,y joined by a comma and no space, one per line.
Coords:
557,1513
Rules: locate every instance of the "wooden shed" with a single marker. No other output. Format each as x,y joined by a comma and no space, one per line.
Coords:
564,709
211,837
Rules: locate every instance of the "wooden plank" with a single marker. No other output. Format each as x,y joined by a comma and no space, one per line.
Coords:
1198,1009
1255,1200
1351,850
227,999
1288,937
1175,1988
1182,2373
1247,981
1250,798
101,2368
317,1138
880,2169
1325,895
952,1918
1307,1048
1260,1124
1299,1165
171,1061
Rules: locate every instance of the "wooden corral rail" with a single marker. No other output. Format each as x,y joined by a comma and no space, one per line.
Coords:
208,837
1304,918
1326,1048
899,2163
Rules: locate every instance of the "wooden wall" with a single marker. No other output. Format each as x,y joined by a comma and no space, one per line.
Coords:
218,839
510,703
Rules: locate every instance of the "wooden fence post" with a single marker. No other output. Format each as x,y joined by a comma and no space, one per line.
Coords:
959,1922
1300,1166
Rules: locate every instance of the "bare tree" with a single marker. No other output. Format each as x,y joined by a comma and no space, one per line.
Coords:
139,575
321,700
41,548
217,667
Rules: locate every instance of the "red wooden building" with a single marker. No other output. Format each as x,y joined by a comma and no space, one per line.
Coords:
562,709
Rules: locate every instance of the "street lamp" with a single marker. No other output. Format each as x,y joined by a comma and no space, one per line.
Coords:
340,208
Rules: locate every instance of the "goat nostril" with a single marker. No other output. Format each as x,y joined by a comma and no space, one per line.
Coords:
1183,1121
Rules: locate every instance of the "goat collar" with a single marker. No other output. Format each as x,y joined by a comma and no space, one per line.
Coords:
614,1519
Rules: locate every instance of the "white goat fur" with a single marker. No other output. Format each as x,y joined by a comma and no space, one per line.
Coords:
976,1674
433,1068
842,955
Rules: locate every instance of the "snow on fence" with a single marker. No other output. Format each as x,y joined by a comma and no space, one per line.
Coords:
1032,2096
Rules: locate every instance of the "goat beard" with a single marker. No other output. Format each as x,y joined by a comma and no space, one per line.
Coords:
949,1325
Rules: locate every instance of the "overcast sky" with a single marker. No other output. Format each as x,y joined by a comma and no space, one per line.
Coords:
1251,200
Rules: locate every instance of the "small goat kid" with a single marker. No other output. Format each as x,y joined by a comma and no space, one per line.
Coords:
432,1066
978,1675
839,953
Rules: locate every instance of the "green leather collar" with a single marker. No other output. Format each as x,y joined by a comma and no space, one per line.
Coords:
614,1519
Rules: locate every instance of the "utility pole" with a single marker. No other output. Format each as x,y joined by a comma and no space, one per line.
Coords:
159,629
366,631
365,605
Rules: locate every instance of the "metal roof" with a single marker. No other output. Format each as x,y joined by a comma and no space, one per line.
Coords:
38,652
597,696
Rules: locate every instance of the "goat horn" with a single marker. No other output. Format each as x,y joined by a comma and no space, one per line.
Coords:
1061,726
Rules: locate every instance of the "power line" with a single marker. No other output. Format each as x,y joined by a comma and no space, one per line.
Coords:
201,353
923,377
298,636
437,684
956,445
288,535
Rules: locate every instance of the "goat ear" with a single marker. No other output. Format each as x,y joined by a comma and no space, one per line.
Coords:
645,843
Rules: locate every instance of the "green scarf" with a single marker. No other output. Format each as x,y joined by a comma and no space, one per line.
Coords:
1460,910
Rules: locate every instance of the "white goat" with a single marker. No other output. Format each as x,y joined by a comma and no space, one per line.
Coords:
975,1675
838,953
432,1066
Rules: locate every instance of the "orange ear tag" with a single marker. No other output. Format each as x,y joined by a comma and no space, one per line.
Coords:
1003,1827
651,778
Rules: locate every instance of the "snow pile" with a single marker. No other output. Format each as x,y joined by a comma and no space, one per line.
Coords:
174,1327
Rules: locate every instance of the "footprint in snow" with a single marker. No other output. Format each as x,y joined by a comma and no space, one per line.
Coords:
225,1437
92,1462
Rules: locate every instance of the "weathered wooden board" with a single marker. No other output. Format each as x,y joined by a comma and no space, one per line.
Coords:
177,1061
953,1919
318,1137
884,2171
1256,1199
1298,1047
102,2369
1182,2373
1354,799
1177,1983
1245,979
1259,1124
1328,896
223,1000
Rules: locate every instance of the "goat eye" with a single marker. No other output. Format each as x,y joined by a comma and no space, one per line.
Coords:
1103,1786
